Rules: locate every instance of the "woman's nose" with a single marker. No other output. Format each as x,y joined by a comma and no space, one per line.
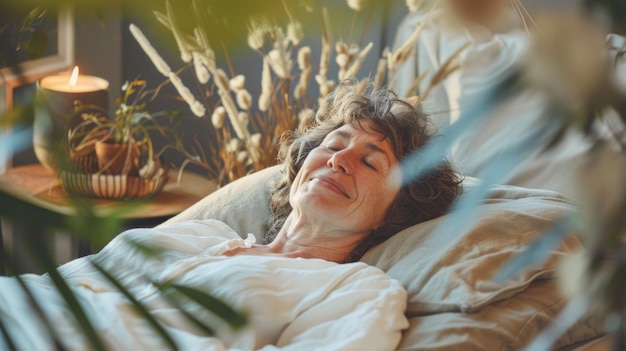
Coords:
341,161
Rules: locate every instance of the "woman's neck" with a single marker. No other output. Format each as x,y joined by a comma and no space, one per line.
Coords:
302,239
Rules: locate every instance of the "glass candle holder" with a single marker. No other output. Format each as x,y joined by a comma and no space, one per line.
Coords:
58,97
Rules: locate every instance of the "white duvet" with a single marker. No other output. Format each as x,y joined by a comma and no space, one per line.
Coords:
292,304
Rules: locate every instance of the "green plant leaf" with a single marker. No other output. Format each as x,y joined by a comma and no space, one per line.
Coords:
235,319
5,335
166,289
39,311
34,16
72,302
474,115
537,251
37,44
139,307
143,249
21,214
19,210
94,227
570,314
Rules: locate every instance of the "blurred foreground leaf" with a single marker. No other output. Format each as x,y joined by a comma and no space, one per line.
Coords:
32,232
535,252
472,117
139,307
210,303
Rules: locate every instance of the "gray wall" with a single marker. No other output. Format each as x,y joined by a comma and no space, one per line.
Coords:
98,49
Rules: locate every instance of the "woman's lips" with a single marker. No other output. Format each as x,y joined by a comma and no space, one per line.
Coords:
331,184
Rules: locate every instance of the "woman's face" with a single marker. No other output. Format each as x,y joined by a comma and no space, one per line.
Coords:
349,181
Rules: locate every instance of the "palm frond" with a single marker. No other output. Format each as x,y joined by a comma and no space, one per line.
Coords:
139,307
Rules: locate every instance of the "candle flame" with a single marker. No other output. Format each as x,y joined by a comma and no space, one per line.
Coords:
74,77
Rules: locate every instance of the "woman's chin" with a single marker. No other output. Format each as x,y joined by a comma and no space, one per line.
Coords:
322,203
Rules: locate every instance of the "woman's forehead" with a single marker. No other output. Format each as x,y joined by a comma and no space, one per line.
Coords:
361,127
368,130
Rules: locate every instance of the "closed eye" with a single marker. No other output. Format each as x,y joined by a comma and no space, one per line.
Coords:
369,164
331,147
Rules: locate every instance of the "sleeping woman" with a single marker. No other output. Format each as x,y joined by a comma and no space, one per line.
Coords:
342,192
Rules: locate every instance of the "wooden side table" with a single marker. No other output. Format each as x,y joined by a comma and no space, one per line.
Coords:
40,186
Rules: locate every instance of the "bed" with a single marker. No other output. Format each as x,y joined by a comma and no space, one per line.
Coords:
430,287
453,304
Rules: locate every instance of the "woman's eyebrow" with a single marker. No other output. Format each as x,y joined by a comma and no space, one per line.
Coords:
344,134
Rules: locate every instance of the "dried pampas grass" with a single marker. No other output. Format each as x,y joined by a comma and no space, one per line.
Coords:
248,128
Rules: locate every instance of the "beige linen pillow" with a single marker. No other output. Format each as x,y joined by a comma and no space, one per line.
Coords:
509,324
242,204
451,270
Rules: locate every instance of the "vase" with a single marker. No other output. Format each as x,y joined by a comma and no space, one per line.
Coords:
116,158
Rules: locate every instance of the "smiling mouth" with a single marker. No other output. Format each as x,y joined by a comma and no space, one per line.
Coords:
332,185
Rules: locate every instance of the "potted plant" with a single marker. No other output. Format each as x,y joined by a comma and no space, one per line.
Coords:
119,145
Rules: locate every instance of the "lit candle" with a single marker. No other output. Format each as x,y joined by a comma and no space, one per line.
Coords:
60,96
73,83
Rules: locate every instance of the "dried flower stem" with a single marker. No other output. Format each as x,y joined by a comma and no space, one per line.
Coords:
301,88
279,57
161,18
523,13
246,140
223,89
362,85
266,87
147,47
326,46
201,71
206,52
380,72
370,14
356,65
446,69
356,5
196,107
185,53
413,5
405,50
413,89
